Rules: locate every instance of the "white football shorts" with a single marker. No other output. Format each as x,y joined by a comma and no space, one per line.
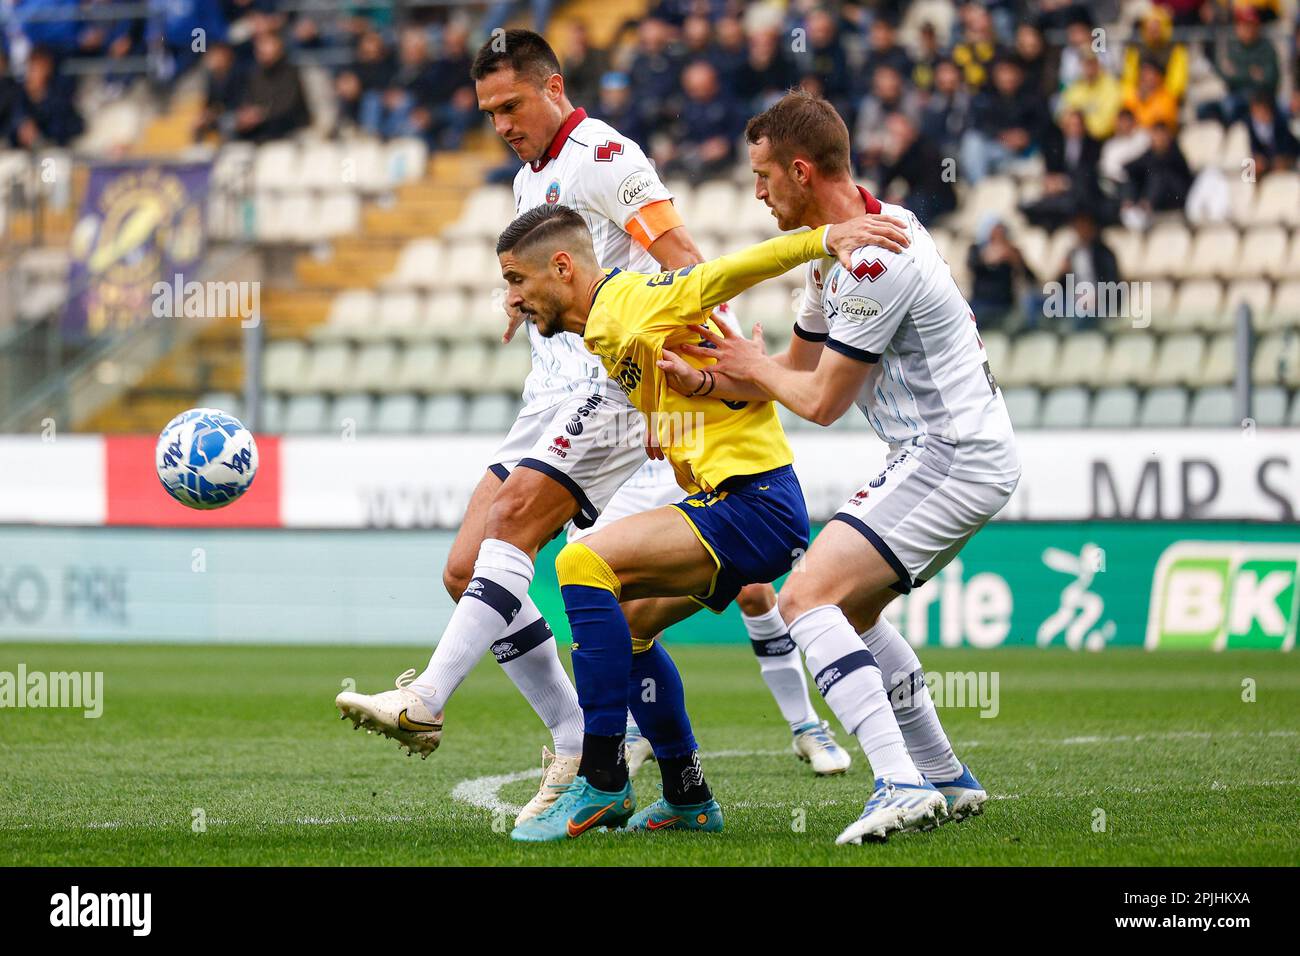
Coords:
590,444
917,515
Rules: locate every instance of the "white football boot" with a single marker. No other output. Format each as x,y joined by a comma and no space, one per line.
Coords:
399,714
636,750
895,808
556,777
815,744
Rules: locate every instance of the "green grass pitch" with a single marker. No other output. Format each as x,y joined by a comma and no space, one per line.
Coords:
234,755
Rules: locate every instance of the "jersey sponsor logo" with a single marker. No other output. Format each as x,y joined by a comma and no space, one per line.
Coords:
633,190
628,375
872,270
857,308
553,192
607,150
560,446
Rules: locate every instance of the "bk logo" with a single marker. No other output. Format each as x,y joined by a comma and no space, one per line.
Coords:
606,151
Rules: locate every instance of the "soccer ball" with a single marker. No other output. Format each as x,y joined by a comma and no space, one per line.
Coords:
206,458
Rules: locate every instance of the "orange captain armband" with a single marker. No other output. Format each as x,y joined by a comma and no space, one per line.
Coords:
652,220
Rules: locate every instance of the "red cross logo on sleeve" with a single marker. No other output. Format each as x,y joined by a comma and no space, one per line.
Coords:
606,151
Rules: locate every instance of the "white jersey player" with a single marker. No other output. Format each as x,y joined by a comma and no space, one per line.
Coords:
894,336
575,445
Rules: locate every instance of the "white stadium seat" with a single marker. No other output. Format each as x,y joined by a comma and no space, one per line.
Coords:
1264,253
418,265
1115,407
1178,359
1022,406
1212,408
283,365
1278,199
1163,408
1064,408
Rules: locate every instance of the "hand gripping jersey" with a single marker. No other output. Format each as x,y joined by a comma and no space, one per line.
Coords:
903,313
607,180
635,316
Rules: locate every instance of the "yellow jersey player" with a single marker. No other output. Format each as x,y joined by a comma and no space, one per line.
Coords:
742,521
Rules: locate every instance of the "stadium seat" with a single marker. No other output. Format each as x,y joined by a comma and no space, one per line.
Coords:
1167,249
1219,367
1033,359
397,315
1284,311
1022,406
1213,253
1163,408
1178,359
272,415
1083,356
484,214
376,367
771,304
1212,408
1127,246
1131,358
997,347
1201,143
1263,253
1157,307
363,159
493,414
1294,418
418,265
1277,359
276,165
444,315
305,413
509,366
283,365
1115,408
351,414
1064,408
405,159
329,368
714,208
443,413
1255,293
683,193
1198,304
470,264
397,414
339,213
1278,199
467,367
351,317
227,402
319,165
1268,406
420,369
1235,149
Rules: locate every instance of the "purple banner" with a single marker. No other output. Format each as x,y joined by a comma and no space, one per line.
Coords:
138,223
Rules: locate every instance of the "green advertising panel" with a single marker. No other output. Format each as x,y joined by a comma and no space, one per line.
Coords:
1082,585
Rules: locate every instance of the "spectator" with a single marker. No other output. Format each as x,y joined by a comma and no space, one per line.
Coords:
1151,102
1070,182
1155,45
767,74
46,113
704,144
912,158
656,68
1097,95
1185,13
1249,66
452,103
368,76
1271,142
995,264
978,47
1006,124
1089,263
11,97
615,106
1036,62
884,50
405,106
1082,44
826,59
224,88
500,12
946,112
888,95
729,52
274,106
1129,142
173,26
584,65
1158,180
928,60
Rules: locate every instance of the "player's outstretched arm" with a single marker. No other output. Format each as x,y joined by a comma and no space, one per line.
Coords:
821,395
686,379
729,275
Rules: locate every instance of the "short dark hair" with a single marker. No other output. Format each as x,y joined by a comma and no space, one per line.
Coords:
540,225
800,123
525,52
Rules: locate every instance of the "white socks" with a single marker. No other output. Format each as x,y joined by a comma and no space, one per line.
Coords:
910,697
781,667
849,679
495,612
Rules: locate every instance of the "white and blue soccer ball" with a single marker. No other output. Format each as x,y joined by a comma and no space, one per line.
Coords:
206,458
